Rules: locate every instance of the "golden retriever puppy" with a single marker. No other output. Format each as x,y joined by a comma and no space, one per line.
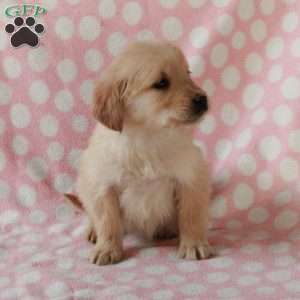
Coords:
141,171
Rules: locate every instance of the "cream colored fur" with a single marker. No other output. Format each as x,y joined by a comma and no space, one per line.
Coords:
141,171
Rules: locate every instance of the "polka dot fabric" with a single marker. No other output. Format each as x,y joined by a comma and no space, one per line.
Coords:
246,56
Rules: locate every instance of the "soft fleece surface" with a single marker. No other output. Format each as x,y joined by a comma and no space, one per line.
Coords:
246,55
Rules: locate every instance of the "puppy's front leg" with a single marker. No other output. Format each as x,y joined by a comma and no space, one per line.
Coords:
106,218
193,222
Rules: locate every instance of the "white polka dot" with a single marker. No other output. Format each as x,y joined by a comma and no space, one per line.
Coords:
107,9
223,149
295,47
247,164
253,267
2,126
225,24
230,114
9,217
37,169
171,28
294,140
289,169
293,286
264,180
14,293
26,195
20,115
50,4
286,219
38,59
145,35
67,70
197,65
252,95
218,277
258,30
73,2
231,77
87,91
218,207
275,73
244,138
33,276
49,125
265,290
219,55
196,3
62,183
64,100
247,280
39,92
269,147
73,158
246,9
5,93
283,198
37,217
280,247
168,3
55,151
259,116
267,7
220,3
274,47
156,269
222,178
258,215
192,289
11,67
290,88
116,43
4,190
79,123
253,63
209,87
93,60
64,211
57,289
64,28
208,125
20,145
199,37
238,40
290,21
243,196
132,13
89,28
163,295
228,293
221,262
282,115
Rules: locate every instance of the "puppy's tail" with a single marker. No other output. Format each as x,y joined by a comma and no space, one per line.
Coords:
74,200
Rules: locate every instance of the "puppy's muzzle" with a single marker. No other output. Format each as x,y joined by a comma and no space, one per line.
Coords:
199,104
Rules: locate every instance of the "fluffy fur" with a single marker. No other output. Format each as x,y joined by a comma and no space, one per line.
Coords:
141,172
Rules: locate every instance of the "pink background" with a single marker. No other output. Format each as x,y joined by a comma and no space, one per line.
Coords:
246,55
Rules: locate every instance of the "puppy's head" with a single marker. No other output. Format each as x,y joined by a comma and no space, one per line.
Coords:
148,85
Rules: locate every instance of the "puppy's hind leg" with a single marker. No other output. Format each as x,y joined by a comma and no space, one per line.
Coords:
106,218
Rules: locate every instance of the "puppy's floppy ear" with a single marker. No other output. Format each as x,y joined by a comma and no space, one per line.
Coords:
109,103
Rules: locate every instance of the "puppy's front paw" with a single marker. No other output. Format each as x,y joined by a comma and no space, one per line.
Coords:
106,254
91,234
195,250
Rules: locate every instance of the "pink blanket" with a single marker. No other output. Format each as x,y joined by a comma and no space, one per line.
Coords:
245,54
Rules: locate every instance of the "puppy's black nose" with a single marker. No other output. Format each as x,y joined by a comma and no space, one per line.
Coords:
200,103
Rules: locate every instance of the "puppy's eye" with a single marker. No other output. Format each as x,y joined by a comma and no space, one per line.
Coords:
163,84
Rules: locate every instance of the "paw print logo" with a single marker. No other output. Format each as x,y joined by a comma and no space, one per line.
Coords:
24,32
